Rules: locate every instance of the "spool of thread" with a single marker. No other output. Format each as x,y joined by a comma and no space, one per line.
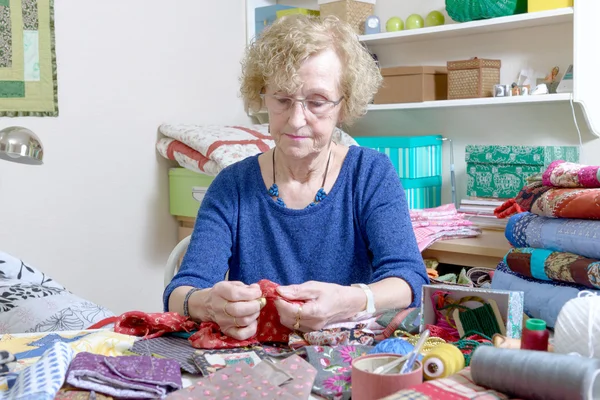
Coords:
577,328
442,361
536,375
535,335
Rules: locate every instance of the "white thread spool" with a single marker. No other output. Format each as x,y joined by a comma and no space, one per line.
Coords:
577,328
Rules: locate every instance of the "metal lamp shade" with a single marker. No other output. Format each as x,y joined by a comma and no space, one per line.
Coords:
21,145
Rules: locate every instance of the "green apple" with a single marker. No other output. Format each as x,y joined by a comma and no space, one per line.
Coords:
434,18
394,24
414,21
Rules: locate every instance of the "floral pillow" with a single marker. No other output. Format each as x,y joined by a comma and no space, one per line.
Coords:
31,301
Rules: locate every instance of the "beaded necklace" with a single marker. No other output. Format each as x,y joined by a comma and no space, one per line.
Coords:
321,194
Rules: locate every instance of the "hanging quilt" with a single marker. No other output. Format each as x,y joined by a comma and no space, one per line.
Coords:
27,58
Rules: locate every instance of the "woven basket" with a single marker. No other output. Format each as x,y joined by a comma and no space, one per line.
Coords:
472,78
351,11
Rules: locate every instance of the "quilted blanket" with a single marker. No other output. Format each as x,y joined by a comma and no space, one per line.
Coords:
208,149
28,84
542,299
548,201
567,174
548,265
577,236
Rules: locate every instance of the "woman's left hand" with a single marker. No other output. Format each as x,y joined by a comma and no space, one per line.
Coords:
324,303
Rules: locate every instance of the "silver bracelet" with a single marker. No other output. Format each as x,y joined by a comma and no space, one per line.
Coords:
186,311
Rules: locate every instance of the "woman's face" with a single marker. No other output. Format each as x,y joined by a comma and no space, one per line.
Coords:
301,131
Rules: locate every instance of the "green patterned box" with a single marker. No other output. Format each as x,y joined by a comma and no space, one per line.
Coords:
510,305
501,171
520,155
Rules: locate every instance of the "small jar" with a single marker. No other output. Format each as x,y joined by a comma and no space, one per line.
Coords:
535,335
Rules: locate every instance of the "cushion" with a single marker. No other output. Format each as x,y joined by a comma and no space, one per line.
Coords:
31,301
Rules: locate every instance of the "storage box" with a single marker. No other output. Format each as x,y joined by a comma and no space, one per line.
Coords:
423,192
354,12
501,171
510,305
472,78
265,16
412,84
186,191
291,11
542,5
418,162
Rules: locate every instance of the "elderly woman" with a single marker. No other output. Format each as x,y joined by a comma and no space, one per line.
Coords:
327,222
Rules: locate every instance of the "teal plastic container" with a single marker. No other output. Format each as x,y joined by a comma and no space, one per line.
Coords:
418,162
412,156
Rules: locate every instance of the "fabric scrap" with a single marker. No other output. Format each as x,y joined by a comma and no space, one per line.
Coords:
210,361
334,369
291,378
43,379
174,348
270,329
125,376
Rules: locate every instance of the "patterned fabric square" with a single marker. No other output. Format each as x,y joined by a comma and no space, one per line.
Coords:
43,379
175,348
125,376
209,361
334,366
291,378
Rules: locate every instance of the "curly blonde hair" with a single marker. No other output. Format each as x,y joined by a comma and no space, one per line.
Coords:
276,55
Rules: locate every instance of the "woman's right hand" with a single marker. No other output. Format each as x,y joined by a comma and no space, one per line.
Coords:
235,307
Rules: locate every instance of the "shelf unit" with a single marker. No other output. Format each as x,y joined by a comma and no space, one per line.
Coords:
518,21
577,22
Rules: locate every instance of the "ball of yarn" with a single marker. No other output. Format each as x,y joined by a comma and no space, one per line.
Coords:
393,345
577,328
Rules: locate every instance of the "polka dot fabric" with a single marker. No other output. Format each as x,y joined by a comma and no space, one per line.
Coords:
269,328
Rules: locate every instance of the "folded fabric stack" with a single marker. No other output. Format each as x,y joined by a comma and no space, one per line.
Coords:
208,149
555,230
440,223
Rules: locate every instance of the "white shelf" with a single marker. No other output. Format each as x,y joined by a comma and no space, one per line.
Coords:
492,101
519,21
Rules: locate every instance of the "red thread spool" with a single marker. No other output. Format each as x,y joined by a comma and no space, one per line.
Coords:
535,335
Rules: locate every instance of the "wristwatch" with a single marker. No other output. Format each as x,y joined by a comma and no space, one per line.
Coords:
370,310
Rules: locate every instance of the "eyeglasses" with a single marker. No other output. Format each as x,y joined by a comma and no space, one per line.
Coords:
316,106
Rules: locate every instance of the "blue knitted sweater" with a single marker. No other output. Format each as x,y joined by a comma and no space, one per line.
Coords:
360,233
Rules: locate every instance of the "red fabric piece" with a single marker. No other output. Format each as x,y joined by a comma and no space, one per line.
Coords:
510,207
154,325
269,329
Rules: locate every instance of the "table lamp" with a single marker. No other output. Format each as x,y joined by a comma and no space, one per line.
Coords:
21,145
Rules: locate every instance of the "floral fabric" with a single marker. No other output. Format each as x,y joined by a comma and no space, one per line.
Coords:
333,337
548,265
334,366
568,175
31,301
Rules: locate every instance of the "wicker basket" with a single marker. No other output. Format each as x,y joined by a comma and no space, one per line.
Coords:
351,11
472,78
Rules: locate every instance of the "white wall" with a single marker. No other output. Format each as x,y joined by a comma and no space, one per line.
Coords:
95,215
